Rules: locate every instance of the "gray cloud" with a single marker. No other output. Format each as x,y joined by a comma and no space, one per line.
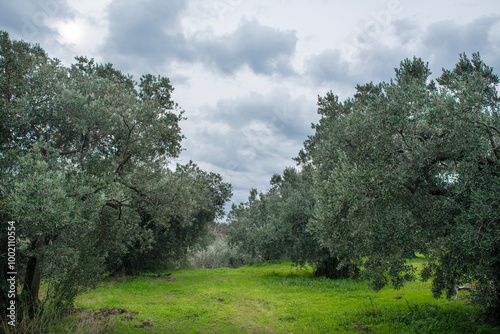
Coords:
443,41
30,19
264,49
328,67
379,61
363,56
281,112
249,138
146,31
406,30
440,44
151,32
375,62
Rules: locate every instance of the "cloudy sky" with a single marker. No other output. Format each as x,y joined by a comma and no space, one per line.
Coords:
248,72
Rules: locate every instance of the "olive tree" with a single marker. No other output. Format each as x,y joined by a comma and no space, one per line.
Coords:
275,224
412,166
84,172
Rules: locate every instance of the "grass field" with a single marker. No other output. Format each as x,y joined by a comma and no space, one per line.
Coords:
268,298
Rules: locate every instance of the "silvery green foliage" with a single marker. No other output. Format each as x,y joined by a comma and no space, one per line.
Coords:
193,199
84,172
412,166
220,254
276,224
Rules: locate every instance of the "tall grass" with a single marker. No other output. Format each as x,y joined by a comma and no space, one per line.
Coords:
37,324
47,320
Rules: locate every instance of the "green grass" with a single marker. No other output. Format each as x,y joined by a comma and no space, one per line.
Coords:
274,298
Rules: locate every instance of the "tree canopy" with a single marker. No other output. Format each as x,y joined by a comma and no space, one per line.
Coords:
405,167
412,166
85,176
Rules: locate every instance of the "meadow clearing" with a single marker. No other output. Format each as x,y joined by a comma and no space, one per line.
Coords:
272,297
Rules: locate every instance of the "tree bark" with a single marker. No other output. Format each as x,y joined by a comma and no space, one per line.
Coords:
328,268
33,276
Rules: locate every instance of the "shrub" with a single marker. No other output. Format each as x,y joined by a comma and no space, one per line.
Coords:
220,255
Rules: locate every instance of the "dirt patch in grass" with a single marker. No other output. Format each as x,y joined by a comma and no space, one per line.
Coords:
103,316
144,324
361,329
130,316
106,312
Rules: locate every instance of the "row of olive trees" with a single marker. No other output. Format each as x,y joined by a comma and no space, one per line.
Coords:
405,167
84,177
275,224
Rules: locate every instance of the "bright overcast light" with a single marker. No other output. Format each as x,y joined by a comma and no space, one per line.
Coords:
248,73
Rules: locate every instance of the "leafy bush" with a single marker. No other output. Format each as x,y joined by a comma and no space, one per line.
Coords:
221,255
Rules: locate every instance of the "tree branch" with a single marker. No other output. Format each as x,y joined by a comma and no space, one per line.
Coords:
69,152
123,162
404,140
487,126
